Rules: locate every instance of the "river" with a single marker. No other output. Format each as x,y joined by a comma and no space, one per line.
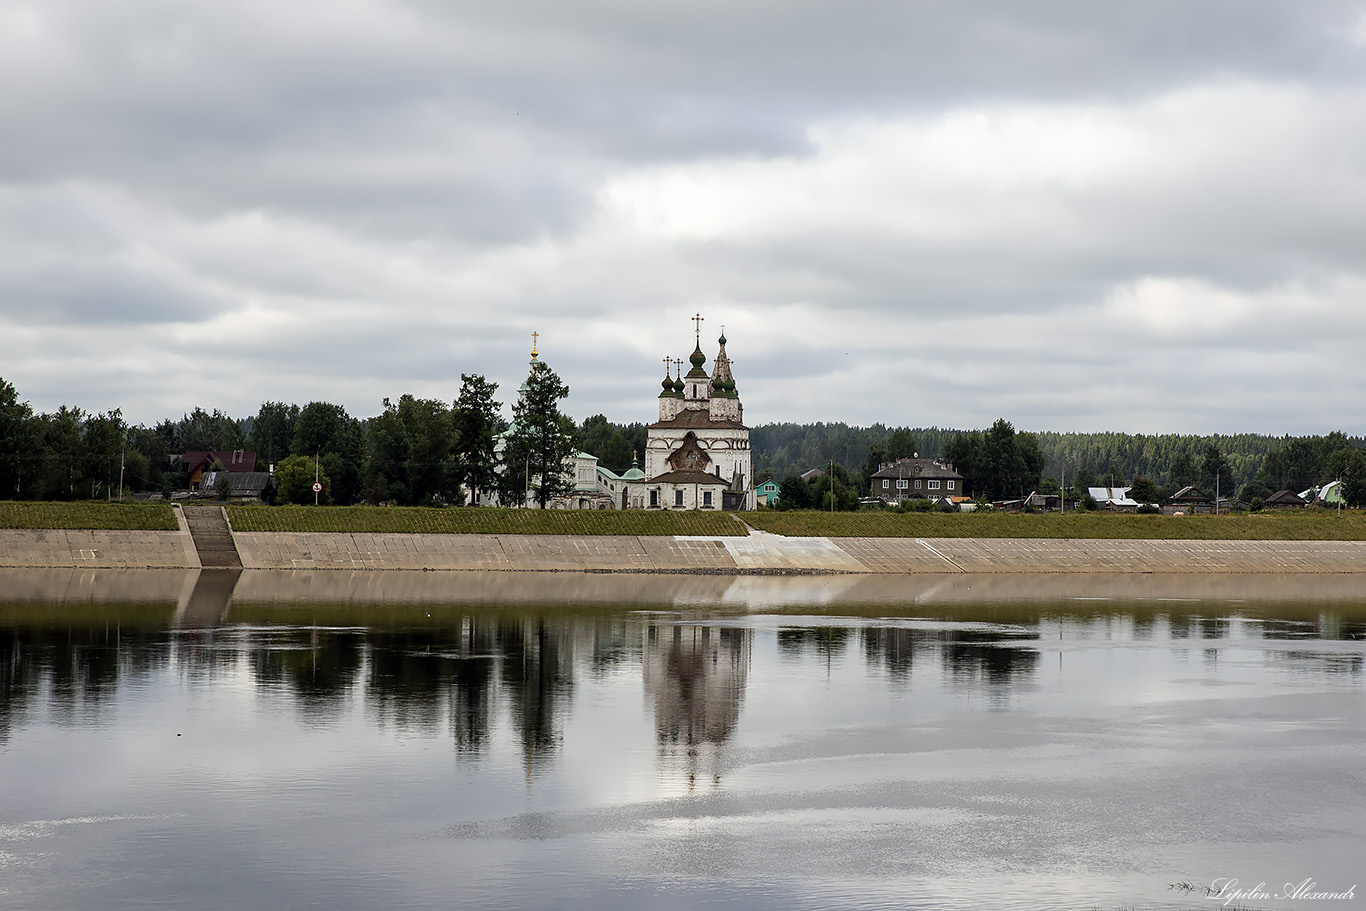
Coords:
226,740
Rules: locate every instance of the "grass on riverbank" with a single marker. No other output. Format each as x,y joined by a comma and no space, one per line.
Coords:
1287,525
479,520
88,516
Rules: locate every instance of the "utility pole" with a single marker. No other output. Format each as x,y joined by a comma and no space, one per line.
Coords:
122,453
315,478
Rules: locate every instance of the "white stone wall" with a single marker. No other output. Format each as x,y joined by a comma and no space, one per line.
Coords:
728,449
726,409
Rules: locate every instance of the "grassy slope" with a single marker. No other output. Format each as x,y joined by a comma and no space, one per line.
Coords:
1308,525
1296,525
407,520
90,515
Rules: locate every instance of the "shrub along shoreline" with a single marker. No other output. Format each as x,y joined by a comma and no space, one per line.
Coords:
1297,525
1307,525
479,520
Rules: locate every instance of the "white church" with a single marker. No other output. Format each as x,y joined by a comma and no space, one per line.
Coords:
697,454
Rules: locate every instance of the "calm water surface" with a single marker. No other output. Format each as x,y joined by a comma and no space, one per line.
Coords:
432,740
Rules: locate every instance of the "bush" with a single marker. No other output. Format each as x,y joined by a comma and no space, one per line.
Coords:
1148,509
1257,504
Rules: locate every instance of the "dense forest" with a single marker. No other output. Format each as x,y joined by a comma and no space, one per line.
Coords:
1261,464
419,450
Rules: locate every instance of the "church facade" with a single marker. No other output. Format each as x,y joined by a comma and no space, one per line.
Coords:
697,454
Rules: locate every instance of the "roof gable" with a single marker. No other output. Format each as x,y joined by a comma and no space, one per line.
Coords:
689,456
234,460
903,469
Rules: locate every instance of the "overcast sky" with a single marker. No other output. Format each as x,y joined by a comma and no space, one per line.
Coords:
1075,215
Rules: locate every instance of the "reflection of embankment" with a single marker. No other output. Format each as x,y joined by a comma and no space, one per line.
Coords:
883,595
696,677
751,593
65,586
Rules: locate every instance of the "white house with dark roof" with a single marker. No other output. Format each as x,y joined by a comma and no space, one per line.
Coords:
916,479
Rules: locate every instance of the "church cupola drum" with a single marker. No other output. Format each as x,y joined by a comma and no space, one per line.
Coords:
697,454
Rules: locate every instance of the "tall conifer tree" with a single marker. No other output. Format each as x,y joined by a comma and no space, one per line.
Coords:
542,438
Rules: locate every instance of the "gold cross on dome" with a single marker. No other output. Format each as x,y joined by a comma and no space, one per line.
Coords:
534,337
697,321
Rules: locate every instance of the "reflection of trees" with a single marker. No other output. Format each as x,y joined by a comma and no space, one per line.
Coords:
989,656
71,671
610,644
1332,663
827,641
538,675
407,676
472,692
1333,625
696,676
1192,626
317,666
891,647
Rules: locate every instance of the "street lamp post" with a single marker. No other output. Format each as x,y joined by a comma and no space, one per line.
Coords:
1062,502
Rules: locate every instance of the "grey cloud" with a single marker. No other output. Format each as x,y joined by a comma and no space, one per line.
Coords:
399,192
201,104
76,295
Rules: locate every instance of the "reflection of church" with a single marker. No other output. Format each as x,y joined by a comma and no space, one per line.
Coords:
696,676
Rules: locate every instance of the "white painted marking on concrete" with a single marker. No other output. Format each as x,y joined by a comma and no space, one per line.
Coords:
926,545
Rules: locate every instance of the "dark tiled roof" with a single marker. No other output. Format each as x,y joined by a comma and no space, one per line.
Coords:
689,477
1190,495
696,419
244,483
1285,498
238,461
918,468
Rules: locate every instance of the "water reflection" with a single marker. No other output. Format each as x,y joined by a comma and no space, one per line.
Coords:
430,667
695,675
588,740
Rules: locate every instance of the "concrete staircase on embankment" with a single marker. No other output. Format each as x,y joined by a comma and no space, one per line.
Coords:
212,538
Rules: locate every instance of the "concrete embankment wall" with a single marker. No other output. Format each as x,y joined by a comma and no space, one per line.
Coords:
759,552
763,552
65,549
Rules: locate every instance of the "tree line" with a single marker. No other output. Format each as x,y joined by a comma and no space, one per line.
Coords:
416,451
431,451
1002,462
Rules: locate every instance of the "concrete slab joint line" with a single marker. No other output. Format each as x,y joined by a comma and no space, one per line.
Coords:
926,545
